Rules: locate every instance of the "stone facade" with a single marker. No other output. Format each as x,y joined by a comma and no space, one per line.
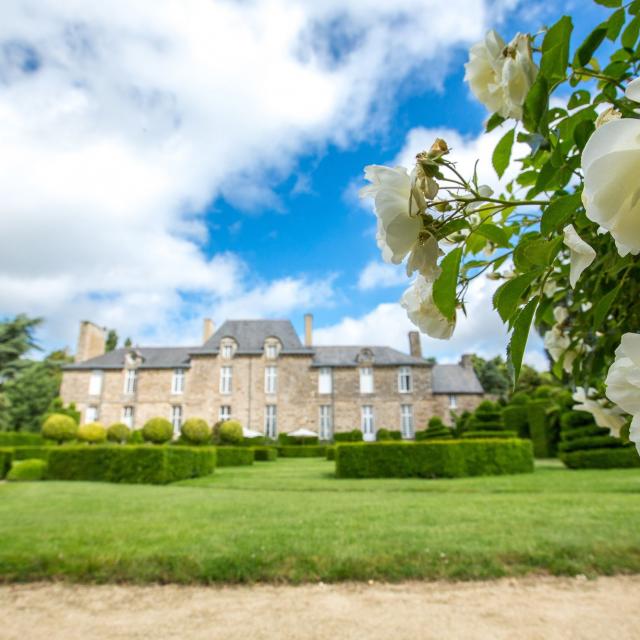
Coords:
297,396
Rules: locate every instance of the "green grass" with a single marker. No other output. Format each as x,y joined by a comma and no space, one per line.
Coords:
293,521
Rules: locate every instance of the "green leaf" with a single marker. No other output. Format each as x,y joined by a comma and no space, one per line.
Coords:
609,3
507,297
494,121
579,98
453,226
555,50
559,212
614,24
588,47
602,308
444,288
582,133
494,233
502,153
630,33
519,337
536,252
535,104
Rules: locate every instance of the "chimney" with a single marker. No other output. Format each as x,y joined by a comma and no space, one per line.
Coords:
415,347
91,341
465,361
308,329
208,329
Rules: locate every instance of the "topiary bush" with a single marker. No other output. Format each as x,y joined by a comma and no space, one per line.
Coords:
60,428
487,420
92,433
229,432
355,435
436,430
157,431
118,432
516,418
543,427
27,470
196,431
388,434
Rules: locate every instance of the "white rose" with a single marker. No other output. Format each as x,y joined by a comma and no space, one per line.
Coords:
623,381
581,254
417,300
424,257
611,195
609,418
633,90
557,342
500,75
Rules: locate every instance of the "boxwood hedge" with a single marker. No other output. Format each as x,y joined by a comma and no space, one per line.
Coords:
602,458
19,439
27,470
143,464
265,454
331,452
306,451
6,458
30,453
235,456
435,459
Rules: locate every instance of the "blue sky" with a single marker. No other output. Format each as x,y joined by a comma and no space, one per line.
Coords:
180,180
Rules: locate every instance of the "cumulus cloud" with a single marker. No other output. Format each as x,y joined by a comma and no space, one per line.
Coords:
377,275
121,122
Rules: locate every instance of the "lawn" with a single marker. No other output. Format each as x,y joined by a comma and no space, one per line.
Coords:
291,520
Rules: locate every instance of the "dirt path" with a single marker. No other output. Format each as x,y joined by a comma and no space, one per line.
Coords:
540,608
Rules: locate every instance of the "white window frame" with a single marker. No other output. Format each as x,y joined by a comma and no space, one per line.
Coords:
367,422
366,380
226,380
453,401
127,416
130,381
224,413
176,417
405,380
95,382
270,380
325,380
91,414
325,422
271,421
406,421
177,381
271,351
227,350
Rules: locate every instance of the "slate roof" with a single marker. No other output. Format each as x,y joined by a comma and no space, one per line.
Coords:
348,357
152,358
453,378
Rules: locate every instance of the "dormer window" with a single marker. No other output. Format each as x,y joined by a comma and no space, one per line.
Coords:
365,357
271,348
227,348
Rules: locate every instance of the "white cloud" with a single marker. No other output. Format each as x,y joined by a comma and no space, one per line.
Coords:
378,274
120,122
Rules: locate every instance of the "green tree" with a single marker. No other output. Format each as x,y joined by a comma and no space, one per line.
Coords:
492,374
112,340
128,343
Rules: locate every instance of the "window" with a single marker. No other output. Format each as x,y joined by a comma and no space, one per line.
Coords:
270,379
225,413
404,380
95,383
406,420
453,401
366,380
130,379
225,380
177,382
366,423
176,418
91,414
271,350
326,426
127,416
227,349
270,422
325,380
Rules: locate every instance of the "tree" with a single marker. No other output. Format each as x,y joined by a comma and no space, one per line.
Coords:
128,343
492,374
16,339
112,340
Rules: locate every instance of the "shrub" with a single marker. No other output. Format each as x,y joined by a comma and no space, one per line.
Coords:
516,418
137,464
196,431
19,439
475,435
26,470
331,452
29,453
258,441
157,430
348,436
284,439
309,451
230,433
620,458
487,417
235,456
461,422
136,437
436,430
118,432
60,428
6,458
57,406
519,397
435,459
92,433
265,454
543,428
388,434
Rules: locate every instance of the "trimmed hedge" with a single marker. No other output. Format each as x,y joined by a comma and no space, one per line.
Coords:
143,464
489,434
235,456
621,458
228,432
383,435
516,418
308,451
354,435
331,452
542,428
157,430
30,453
6,458
27,470
196,431
92,433
436,430
435,459
285,440
19,439
589,442
118,432
60,428
265,454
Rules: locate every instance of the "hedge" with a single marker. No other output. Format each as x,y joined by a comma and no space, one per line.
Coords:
436,430
621,458
308,451
542,429
331,452
27,470
383,435
589,442
354,435
516,418
489,434
234,456
265,454
19,439
157,430
6,458
143,464
434,459
30,453
285,440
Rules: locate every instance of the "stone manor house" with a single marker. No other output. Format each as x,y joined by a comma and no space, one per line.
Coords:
259,373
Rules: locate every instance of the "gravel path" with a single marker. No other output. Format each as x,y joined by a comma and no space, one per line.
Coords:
529,608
